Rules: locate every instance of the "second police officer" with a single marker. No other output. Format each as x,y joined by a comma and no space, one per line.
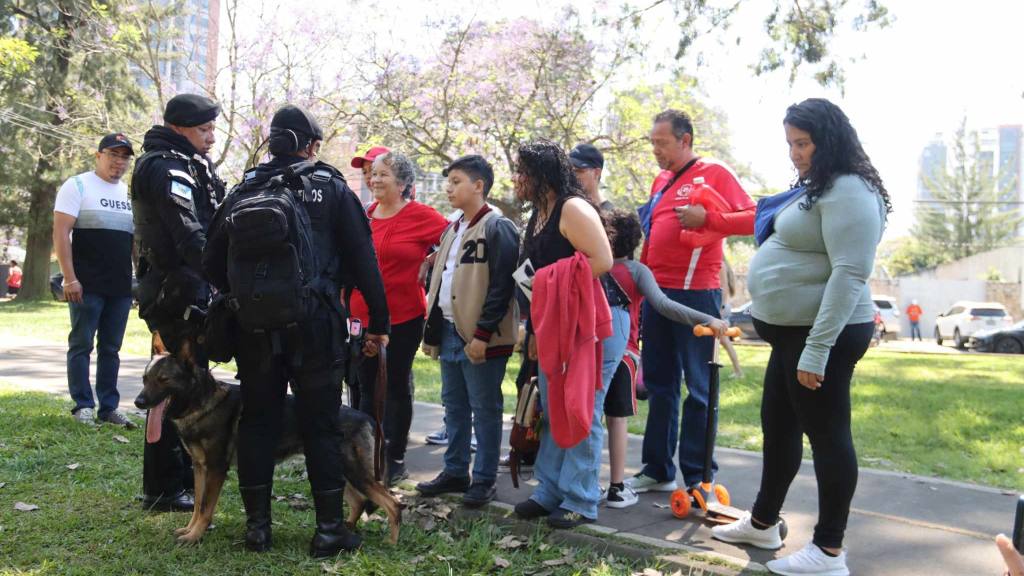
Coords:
175,192
276,346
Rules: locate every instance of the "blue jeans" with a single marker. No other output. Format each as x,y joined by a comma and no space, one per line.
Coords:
107,316
568,479
915,331
472,399
669,349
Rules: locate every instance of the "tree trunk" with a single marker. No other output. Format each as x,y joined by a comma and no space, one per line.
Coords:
39,243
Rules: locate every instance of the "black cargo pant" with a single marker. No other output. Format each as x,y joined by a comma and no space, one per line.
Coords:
265,370
166,465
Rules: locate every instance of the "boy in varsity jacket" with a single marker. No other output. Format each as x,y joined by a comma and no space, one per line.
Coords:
472,327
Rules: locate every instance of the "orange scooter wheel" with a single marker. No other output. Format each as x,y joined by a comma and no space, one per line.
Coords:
680,502
722,495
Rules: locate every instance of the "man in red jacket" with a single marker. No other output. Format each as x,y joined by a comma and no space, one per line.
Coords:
683,248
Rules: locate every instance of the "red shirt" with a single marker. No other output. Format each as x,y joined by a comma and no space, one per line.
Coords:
686,259
914,312
401,243
14,280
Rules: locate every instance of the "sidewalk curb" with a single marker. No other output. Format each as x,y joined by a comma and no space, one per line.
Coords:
674,556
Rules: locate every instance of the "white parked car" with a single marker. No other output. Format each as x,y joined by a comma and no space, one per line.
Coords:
965,318
890,310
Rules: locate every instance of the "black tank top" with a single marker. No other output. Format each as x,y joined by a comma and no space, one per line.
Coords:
547,246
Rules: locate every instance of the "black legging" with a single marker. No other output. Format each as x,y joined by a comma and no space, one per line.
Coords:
404,341
788,410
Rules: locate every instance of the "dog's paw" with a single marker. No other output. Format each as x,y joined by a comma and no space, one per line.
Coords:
190,538
183,530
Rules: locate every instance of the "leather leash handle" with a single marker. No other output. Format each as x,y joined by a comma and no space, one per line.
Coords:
380,396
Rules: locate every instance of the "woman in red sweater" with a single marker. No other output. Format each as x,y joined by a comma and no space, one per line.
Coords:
403,233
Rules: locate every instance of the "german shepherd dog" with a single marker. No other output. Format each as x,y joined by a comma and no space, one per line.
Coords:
206,412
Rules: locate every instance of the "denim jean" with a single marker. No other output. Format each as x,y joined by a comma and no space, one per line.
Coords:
669,349
102,318
472,399
568,478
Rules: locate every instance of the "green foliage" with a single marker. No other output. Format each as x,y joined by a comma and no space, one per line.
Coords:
970,209
909,256
16,56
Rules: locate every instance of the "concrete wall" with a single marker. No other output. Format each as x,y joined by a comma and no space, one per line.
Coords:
1009,261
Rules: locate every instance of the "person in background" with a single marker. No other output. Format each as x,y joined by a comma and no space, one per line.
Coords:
587,164
364,163
728,280
811,302
14,278
471,326
638,283
93,236
404,231
914,315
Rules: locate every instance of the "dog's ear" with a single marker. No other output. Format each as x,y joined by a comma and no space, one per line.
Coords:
186,352
157,346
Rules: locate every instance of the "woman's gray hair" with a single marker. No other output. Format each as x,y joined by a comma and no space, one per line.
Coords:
403,169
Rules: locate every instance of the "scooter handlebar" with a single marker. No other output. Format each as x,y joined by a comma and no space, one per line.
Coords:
702,330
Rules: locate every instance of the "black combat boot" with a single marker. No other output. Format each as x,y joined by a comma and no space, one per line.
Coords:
331,536
257,514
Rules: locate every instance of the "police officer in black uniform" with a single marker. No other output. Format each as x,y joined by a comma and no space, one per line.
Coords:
311,361
175,192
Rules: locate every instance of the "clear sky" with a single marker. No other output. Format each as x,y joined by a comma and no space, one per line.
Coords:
938,62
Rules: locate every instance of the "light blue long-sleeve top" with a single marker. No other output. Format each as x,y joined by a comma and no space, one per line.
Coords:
813,271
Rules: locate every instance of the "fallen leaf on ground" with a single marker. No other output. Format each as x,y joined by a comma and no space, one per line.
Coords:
555,562
329,568
427,524
297,496
651,572
660,505
543,547
2,484
23,507
501,562
121,439
511,542
74,466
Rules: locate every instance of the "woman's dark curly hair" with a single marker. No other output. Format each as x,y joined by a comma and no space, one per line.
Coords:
546,167
837,149
624,232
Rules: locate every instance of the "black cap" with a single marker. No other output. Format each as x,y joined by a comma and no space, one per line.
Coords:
189,110
586,156
291,117
116,140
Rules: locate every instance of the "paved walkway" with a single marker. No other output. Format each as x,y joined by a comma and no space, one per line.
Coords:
900,524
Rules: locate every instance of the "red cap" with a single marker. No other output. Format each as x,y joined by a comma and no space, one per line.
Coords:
370,154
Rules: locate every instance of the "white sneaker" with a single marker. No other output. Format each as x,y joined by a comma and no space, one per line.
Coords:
641,483
438,438
621,498
742,531
810,560
86,416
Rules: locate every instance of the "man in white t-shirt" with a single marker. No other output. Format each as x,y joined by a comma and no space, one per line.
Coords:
93,237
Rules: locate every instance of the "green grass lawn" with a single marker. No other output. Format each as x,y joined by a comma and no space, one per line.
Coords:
89,522
954,416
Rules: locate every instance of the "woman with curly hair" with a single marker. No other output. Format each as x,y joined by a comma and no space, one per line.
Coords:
563,222
811,301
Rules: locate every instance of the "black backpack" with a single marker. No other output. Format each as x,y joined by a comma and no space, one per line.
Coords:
272,262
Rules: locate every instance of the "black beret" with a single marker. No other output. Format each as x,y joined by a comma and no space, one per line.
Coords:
291,117
189,110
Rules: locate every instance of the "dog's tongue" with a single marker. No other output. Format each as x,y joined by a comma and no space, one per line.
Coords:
155,421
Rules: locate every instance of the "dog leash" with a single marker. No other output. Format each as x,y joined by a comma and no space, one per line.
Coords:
380,395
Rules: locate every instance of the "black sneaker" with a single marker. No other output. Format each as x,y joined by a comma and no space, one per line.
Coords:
116,418
565,519
396,472
479,493
530,509
442,484
180,502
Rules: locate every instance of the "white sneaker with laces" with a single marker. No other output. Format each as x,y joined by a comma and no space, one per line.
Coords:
621,498
742,531
86,416
438,438
810,560
641,483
